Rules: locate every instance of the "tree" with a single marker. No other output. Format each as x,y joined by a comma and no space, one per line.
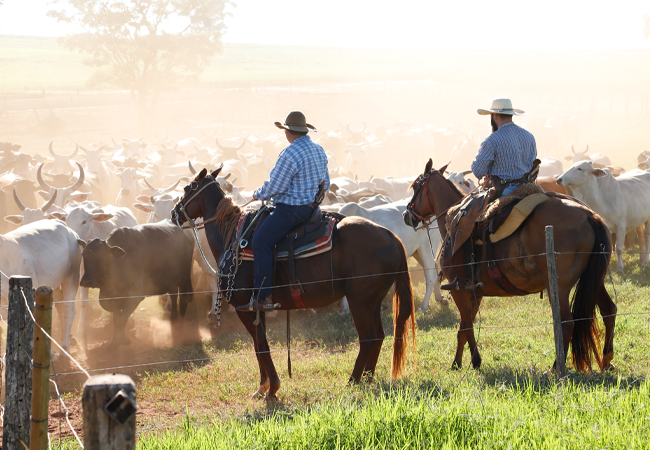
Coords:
145,46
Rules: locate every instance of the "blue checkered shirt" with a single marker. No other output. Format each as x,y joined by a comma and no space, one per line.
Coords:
300,169
508,153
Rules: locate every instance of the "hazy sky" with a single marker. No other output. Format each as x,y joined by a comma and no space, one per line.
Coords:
476,24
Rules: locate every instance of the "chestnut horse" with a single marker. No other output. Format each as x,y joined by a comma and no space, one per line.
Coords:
583,250
365,261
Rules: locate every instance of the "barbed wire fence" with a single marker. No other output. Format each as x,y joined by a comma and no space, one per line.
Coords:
83,371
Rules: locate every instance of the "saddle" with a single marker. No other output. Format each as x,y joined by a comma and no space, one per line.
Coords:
310,238
472,207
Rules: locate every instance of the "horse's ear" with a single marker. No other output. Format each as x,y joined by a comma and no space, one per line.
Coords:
216,172
201,174
429,166
443,168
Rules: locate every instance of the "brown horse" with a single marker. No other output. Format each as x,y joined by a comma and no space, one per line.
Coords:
365,261
583,250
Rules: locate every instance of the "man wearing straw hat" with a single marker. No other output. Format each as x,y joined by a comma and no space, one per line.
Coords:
292,187
506,158
509,152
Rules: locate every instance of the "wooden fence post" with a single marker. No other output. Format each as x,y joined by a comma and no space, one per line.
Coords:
41,372
18,372
109,412
560,358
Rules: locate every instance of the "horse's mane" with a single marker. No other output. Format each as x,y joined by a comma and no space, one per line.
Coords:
226,218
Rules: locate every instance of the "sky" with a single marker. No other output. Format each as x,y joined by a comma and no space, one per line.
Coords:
472,24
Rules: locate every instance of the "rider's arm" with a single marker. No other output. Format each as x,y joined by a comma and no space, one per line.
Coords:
484,159
279,181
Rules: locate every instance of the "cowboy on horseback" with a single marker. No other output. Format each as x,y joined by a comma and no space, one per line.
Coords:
506,160
292,187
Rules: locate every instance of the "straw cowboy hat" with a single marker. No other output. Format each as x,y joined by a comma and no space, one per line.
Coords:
296,121
501,106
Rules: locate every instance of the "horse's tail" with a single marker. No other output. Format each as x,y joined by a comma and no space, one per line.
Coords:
403,312
585,341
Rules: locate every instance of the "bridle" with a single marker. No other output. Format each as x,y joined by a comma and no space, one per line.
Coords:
194,186
422,181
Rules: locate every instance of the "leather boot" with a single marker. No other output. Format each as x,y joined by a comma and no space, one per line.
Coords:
255,304
460,284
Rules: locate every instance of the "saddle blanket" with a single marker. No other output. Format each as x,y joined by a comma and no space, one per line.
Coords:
315,246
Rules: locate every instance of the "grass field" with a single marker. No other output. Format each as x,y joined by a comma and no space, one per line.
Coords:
509,403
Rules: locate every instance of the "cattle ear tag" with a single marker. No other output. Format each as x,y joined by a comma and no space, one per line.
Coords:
117,252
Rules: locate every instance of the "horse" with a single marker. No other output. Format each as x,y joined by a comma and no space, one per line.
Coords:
364,262
583,250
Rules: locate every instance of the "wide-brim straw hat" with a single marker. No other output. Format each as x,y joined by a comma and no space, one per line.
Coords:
501,106
296,121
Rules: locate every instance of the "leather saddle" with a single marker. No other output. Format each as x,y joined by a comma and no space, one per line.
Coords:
462,225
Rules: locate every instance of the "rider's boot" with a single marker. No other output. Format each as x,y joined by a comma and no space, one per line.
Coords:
266,304
460,284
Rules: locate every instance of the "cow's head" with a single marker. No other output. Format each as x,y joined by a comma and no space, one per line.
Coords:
98,259
581,173
81,220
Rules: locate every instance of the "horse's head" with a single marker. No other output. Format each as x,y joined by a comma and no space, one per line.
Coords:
422,207
191,204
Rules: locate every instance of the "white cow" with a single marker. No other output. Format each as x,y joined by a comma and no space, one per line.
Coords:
600,161
49,253
128,186
623,202
30,215
550,167
464,185
416,243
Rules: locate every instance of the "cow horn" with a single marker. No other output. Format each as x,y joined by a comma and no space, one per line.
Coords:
42,182
243,143
587,149
227,176
50,202
192,169
113,139
149,184
467,172
196,148
83,150
101,148
51,150
572,149
18,202
76,150
80,181
218,145
172,187
371,177
203,133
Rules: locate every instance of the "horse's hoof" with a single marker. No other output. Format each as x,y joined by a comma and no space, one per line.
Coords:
609,368
455,366
270,397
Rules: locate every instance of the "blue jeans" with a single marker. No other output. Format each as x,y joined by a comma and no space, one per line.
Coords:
510,189
276,226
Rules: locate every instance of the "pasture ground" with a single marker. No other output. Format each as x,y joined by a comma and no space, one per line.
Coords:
509,403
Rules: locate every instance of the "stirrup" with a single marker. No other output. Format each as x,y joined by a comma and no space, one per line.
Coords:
460,284
255,304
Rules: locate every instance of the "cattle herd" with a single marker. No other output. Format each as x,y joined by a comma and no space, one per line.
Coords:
98,216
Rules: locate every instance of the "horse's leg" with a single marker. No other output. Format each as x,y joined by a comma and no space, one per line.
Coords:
371,363
269,379
608,311
364,320
467,303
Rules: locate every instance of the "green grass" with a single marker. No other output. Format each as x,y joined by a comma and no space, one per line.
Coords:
521,416
509,403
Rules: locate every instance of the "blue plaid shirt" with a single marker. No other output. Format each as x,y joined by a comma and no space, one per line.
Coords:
300,169
508,153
